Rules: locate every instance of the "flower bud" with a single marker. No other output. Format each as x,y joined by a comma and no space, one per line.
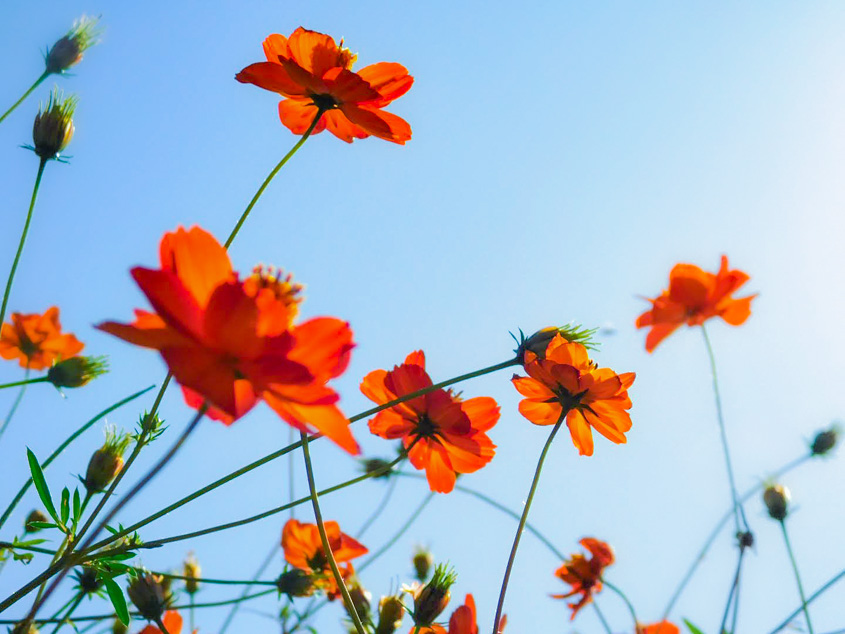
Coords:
106,462
390,613
360,600
423,561
53,127
88,581
295,583
380,465
539,341
77,371
191,570
34,516
119,628
776,499
151,595
68,50
825,441
431,599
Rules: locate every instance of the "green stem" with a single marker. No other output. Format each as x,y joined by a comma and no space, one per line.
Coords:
24,383
66,618
391,487
64,446
809,600
160,624
270,177
37,83
603,620
41,165
797,576
191,612
624,598
522,522
258,573
327,549
15,404
733,591
737,506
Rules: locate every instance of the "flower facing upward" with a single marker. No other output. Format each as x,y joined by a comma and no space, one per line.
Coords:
172,620
584,575
442,433
315,75
566,383
664,627
693,297
304,550
36,341
231,342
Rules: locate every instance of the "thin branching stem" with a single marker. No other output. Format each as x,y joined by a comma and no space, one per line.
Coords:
28,92
797,576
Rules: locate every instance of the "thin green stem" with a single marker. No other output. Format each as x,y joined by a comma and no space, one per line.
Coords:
66,618
28,92
827,586
41,165
603,620
720,415
733,591
65,445
327,549
191,612
270,177
15,405
391,487
258,573
624,598
797,576
161,626
25,382
522,521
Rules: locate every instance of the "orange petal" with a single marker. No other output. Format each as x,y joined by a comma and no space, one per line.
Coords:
483,412
689,285
438,470
657,334
157,338
198,260
231,321
313,51
327,419
390,425
323,345
540,413
417,357
379,123
171,300
297,115
389,79
195,400
348,87
532,388
468,454
736,311
343,128
273,77
276,46
582,437
172,621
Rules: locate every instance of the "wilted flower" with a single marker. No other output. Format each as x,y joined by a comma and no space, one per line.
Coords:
68,50
106,462
584,575
776,498
53,127
36,341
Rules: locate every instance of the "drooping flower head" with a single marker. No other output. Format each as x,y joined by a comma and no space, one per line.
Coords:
304,551
232,342
37,340
442,433
584,575
693,297
664,627
566,383
315,74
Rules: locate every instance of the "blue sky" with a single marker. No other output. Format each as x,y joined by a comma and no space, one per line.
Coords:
565,156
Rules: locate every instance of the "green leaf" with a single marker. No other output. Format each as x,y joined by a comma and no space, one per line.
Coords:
43,525
117,599
77,506
41,484
65,506
692,628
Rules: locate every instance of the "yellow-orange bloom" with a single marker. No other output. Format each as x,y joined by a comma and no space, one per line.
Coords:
584,575
664,627
566,383
37,340
693,297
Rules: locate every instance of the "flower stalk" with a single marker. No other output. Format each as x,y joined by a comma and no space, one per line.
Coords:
801,592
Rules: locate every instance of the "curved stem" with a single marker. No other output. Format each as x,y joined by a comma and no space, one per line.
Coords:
391,487
809,600
28,92
522,521
264,565
327,549
15,404
797,576
603,620
624,598
270,177
41,165
65,445
25,382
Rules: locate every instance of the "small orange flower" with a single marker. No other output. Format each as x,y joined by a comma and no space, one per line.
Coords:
664,627
462,621
442,433
315,74
584,575
304,550
693,297
37,340
172,621
566,383
232,342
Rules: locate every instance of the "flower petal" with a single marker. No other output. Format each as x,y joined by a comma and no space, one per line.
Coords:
327,419
389,79
297,115
483,412
579,429
379,123
171,300
540,413
198,260
273,77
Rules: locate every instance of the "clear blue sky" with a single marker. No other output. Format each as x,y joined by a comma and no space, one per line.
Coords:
565,156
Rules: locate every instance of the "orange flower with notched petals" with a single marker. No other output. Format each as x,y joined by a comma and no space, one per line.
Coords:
693,297
232,342
172,621
304,550
315,75
442,433
566,383
664,627
584,575
37,340
462,621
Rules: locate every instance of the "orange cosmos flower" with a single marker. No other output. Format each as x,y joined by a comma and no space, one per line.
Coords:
442,433
566,383
693,297
232,342
304,550
315,74
664,627
37,340
462,621
172,621
584,575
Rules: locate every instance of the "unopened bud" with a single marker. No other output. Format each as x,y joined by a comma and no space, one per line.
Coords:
53,127
295,583
360,600
776,499
423,561
191,570
150,424
379,466
539,341
34,516
150,594
77,371
106,462
825,441
68,50
433,597
88,581
390,613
